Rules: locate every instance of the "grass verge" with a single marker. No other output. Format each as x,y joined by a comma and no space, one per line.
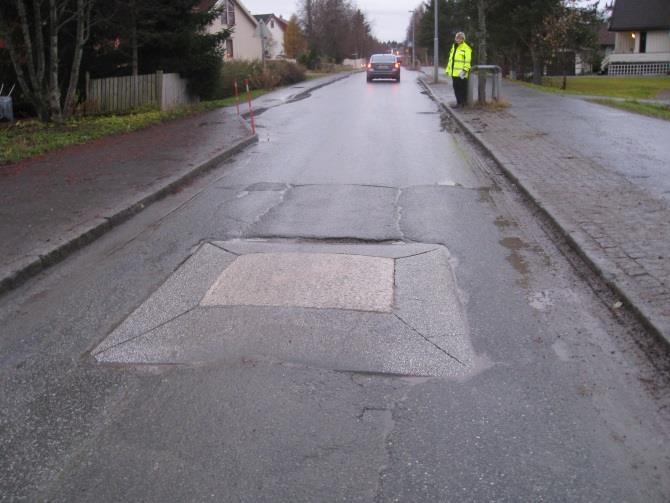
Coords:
28,138
634,88
649,109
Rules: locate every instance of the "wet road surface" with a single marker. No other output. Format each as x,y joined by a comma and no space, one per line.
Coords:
496,372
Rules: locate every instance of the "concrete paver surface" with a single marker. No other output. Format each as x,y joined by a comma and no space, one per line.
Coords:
581,163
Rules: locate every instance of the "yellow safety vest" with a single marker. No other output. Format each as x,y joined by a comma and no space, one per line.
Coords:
459,59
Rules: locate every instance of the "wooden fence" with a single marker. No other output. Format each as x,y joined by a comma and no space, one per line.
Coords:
122,94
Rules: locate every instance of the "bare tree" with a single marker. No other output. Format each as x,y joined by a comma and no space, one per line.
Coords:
567,30
34,34
335,28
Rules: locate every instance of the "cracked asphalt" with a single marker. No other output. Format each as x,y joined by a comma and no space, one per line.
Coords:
561,399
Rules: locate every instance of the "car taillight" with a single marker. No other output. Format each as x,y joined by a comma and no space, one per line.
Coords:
397,65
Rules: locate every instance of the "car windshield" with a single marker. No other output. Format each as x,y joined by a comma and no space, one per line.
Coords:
382,58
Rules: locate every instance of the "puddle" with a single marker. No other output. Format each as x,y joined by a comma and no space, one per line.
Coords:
485,195
502,223
448,183
298,97
448,124
515,245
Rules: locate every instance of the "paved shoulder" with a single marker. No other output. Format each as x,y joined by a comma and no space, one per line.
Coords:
57,202
620,227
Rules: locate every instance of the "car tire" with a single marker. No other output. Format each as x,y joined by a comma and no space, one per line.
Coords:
369,79
398,79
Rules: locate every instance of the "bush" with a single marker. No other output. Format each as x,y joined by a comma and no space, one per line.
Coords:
289,73
310,59
275,73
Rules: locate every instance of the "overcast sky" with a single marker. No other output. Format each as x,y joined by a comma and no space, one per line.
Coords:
389,18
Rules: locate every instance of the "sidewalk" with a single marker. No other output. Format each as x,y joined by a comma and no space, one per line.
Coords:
605,187
56,203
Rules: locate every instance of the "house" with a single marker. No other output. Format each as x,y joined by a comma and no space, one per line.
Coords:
245,42
606,40
274,27
642,38
585,61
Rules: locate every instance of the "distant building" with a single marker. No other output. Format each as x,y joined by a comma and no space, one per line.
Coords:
245,42
274,28
642,38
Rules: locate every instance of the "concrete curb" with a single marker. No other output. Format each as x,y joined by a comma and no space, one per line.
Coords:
575,237
84,236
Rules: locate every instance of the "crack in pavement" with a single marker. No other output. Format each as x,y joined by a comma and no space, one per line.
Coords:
428,340
146,332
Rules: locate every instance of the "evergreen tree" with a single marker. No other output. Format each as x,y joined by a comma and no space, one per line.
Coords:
167,35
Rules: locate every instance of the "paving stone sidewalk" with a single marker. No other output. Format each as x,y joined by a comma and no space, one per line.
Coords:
621,228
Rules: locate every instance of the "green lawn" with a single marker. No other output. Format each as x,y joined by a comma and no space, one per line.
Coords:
624,92
651,110
636,88
28,138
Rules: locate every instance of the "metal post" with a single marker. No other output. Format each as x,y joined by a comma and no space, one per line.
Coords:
481,88
159,89
435,45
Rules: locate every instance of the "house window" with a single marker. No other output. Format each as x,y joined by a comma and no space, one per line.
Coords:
272,23
229,48
228,14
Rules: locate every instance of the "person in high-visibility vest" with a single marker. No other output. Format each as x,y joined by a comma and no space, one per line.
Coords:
458,67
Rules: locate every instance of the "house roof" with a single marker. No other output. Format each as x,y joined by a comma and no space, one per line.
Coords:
606,37
205,5
265,18
640,15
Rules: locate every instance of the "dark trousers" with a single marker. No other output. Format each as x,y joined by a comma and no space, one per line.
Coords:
461,90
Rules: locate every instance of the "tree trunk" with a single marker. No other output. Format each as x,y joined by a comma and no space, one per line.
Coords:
39,40
133,37
28,41
55,112
564,83
83,21
482,58
537,66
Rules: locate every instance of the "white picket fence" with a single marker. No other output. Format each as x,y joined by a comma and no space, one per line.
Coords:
122,94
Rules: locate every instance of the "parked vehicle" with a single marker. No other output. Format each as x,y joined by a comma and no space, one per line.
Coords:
383,66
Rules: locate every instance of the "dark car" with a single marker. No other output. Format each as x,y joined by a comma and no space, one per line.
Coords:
383,66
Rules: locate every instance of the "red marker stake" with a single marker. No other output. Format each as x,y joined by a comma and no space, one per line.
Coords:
251,110
237,98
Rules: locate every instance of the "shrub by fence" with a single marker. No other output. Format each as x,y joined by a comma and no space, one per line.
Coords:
274,74
123,94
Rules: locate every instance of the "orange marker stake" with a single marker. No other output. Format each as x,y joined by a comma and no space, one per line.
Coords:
251,110
237,98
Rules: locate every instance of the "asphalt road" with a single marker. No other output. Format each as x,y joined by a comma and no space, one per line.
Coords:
120,383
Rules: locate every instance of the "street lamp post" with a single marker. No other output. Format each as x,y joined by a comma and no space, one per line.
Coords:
435,45
413,53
